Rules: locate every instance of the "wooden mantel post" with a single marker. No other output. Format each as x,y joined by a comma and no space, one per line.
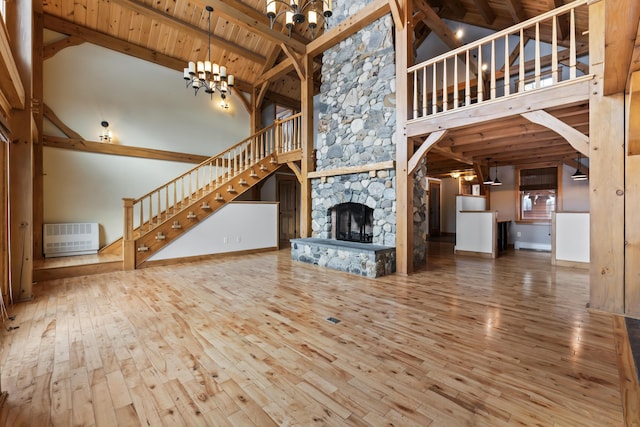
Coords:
404,148
308,161
128,242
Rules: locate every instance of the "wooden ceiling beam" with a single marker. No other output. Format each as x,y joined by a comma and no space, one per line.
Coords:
117,45
548,142
447,152
252,21
52,48
120,150
164,18
578,140
57,122
485,11
516,11
437,25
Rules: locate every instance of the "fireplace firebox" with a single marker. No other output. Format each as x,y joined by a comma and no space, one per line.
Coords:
353,222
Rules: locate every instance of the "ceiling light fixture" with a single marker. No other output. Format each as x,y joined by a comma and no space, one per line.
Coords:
488,181
497,180
578,175
206,75
294,12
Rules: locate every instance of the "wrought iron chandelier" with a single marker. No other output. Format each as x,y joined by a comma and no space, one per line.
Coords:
207,75
294,11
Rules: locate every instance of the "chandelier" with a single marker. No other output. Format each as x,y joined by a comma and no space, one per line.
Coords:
204,74
294,11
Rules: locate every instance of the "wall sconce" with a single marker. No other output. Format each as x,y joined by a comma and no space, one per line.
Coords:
105,136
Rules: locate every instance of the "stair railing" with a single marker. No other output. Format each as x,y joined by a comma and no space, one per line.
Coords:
145,213
476,72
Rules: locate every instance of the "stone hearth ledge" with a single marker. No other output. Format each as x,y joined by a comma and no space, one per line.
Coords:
363,259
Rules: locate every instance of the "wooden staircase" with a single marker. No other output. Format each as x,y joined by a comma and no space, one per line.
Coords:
169,211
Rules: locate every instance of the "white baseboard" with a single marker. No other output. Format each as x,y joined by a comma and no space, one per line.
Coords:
534,246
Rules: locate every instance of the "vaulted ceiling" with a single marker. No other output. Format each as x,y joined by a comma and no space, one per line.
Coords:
173,32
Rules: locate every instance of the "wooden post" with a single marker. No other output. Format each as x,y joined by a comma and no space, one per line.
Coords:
308,160
38,104
128,242
632,191
404,147
606,183
20,28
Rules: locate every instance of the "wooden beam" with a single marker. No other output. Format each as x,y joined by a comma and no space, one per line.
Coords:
51,116
404,146
282,68
120,150
351,25
426,145
296,170
247,18
578,140
485,11
348,170
634,115
52,48
622,19
10,82
171,21
516,11
437,25
395,13
447,152
245,103
104,40
297,63
307,162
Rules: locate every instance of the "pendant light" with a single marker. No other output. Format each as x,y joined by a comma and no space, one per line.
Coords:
488,181
578,174
497,180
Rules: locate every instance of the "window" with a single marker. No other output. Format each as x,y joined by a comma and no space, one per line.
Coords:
538,195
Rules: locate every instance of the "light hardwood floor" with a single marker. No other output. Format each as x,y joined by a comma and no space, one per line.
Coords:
244,341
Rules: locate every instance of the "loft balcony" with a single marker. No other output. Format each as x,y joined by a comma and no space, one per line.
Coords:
503,77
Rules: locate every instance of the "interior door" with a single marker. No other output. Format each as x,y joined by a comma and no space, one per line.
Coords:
434,208
287,195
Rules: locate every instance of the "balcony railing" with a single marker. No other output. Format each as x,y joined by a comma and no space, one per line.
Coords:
482,71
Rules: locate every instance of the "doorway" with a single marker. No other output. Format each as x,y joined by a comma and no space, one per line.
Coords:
434,208
287,193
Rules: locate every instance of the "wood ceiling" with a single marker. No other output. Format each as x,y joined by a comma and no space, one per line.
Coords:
173,32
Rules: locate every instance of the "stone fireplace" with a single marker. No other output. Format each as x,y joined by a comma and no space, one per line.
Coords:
356,132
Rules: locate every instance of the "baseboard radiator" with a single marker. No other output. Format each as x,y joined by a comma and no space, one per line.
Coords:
80,238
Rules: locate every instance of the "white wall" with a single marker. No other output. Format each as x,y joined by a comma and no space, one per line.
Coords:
572,237
235,227
146,105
